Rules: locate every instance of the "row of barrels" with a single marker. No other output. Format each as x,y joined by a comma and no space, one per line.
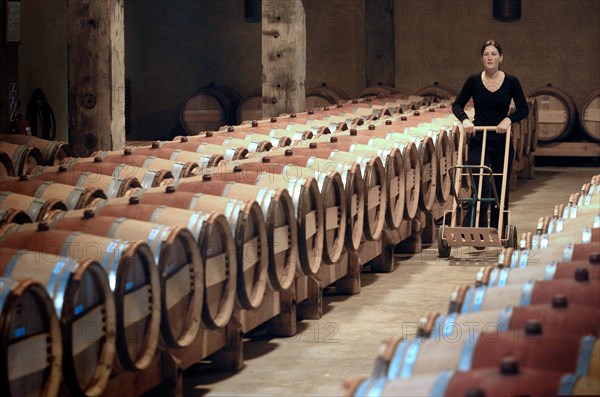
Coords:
176,239
559,116
528,326
212,106
20,154
83,221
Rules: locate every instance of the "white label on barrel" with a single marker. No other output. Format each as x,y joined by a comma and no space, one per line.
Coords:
113,188
178,286
148,179
27,356
215,270
374,193
229,153
332,218
573,213
88,329
280,239
174,155
177,169
310,225
136,306
250,253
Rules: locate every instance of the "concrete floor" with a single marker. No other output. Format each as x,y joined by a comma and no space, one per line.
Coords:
345,341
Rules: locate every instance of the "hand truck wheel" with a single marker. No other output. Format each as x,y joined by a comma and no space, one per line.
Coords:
443,248
511,237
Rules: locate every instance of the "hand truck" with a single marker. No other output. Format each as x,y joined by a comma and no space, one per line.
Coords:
456,235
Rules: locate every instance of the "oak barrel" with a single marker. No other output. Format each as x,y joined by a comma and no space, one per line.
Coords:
6,165
559,316
85,307
73,197
378,91
36,208
250,108
247,224
507,378
333,197
185,144
24,158
30,340
581,291
111,186
179,169
180,267
352,182
308,208
589,116
132,275
373,175
437,90
13,215
53,152
557,113
393,165
361,142
403,358
323,96
209,108
493,276
279,214
215,243
146,176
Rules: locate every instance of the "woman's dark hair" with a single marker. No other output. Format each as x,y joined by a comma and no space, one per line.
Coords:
491,42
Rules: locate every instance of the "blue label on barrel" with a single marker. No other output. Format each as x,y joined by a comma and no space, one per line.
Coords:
19,332
78,309
128,285
170,268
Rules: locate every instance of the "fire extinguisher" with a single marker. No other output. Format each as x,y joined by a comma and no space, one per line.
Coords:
20,125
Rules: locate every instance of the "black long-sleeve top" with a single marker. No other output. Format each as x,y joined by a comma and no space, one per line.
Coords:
491,107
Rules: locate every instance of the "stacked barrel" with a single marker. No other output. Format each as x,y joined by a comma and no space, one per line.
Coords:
528,326
19,154
151,245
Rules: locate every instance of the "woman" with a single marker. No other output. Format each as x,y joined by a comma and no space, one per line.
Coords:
492,91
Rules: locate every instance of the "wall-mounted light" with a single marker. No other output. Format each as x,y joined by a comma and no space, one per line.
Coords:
507,10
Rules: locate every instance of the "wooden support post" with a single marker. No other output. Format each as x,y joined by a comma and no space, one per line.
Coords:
173,375
96,75
428,235
350,284
231,356
414,243
312,307
285,323
385,262
283,57
379,40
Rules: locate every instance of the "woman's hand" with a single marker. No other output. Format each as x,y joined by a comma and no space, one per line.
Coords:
468,127
503,126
